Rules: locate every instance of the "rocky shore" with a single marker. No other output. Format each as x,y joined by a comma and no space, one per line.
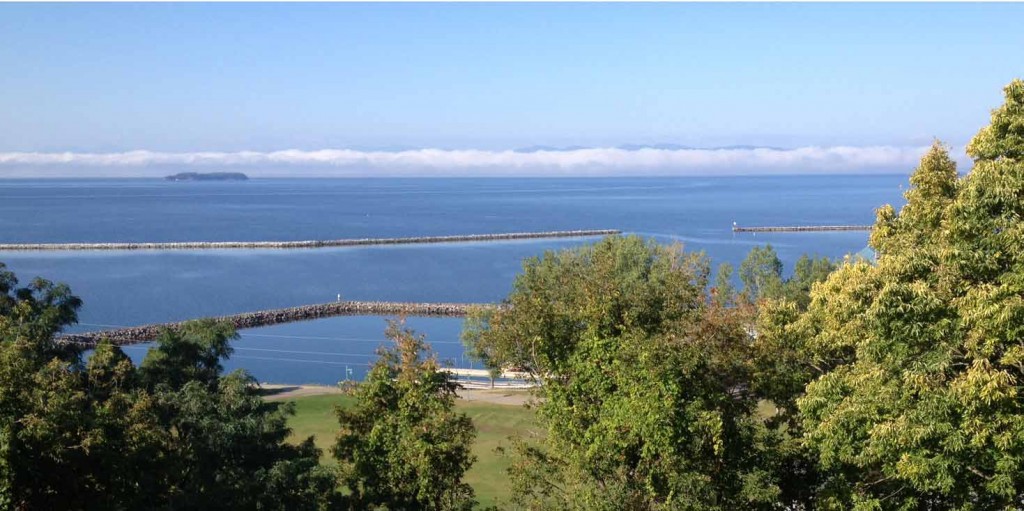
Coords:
802,228
352,242
146,333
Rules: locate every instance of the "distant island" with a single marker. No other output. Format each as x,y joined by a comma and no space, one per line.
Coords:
211,176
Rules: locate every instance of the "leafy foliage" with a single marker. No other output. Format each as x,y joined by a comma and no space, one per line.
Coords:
724,293
402,446
191,354
895,385
618,285
913,366
102,434
761,274
806,273
644,399
227,450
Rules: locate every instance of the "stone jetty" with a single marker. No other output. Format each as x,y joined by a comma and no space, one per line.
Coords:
351,242
802,228
146,333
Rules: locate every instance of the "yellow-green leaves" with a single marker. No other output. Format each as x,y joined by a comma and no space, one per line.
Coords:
920,400
1003,138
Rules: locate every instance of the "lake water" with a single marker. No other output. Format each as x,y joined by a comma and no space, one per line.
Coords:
130,288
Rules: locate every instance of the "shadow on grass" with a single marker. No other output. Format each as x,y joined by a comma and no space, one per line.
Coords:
276,390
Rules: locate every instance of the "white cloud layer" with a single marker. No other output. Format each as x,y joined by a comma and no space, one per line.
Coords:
470,162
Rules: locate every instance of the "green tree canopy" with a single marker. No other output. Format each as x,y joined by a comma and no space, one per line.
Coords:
761,274
403,445
933,186
99,433
618,285
724,293
644,397
190,354
914,365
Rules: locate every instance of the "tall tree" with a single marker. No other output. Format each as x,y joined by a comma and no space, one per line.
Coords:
918,403
933,186
102,434
403,445
807,272
724,291
761,274
226,447
41,402
620,284
192,353
644,399
477,321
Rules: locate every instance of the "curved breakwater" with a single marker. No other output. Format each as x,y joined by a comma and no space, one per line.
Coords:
352,242
146,333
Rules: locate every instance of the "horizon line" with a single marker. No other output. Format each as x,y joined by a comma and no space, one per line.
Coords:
571,162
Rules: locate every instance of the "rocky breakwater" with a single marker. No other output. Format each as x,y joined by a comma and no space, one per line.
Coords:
146,333
802,228
352,242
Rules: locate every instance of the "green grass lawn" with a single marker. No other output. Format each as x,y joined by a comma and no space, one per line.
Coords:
314,415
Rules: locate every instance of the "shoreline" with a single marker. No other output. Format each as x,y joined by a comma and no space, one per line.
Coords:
498,396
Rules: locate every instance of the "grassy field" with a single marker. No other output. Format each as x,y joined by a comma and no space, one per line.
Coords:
314,415
495,423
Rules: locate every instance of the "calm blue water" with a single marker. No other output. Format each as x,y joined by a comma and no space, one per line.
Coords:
128,288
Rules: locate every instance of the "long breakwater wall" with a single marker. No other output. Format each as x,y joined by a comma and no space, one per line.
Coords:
802,228
353,242
145,333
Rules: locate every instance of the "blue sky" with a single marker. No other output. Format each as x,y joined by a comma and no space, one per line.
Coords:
185,78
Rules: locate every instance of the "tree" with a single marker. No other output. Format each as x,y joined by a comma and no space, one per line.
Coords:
933,186
620,284
761,274
644,397
40,396
477,320
227,449
127,442
916,402
103,434
806,272
403,445
35,313
189,354
724,293
225,446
